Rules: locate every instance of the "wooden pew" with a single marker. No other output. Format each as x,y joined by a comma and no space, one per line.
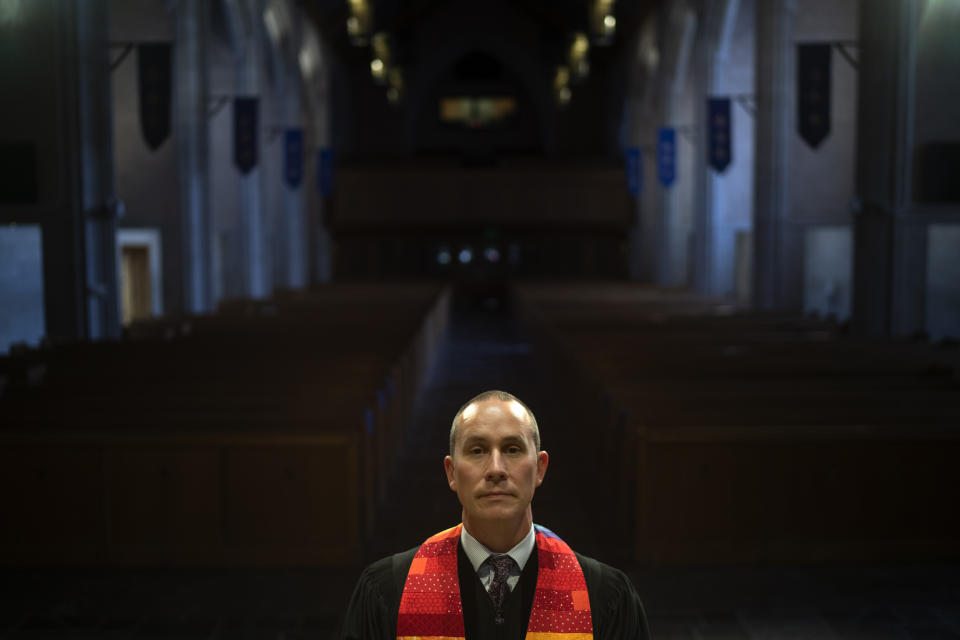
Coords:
240,407
754,437
182,498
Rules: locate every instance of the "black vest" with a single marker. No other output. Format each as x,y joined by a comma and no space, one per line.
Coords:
478,612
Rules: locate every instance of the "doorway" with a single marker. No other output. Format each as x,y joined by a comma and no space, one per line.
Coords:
138,263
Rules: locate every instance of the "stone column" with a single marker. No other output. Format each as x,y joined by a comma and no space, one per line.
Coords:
321,243
673,229
719,72
889,252
86,151
776,269
192,143
642,118
253,224
295,237
704,274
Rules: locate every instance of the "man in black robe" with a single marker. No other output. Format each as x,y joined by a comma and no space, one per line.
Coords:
495,464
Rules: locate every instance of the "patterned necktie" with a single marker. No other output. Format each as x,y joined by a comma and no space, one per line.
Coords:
502,564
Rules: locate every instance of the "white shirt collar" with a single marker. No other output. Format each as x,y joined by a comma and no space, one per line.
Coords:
477,552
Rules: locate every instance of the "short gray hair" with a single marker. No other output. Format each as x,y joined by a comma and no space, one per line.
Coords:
503,396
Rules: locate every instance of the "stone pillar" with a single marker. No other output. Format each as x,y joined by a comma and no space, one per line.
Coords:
673,229
776,269
704,274
295,237
94,135
642,119
889,252
322,247
192,143
637,250
254,254
724,67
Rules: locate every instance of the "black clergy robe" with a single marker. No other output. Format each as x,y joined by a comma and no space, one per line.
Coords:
372,614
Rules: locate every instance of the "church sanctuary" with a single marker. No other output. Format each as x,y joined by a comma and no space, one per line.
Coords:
256,255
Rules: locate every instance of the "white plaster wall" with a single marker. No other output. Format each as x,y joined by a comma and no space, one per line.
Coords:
21,285
822,182
943,281
224,177
937,96
145,180
823,179
937,89
828,271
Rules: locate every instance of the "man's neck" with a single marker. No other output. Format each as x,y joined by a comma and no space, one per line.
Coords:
499,535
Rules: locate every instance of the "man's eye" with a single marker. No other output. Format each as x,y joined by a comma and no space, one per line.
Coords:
513,450
476,451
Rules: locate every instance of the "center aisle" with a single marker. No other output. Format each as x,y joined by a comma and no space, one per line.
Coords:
486,347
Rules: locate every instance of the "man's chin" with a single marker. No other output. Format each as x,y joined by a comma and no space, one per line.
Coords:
500,510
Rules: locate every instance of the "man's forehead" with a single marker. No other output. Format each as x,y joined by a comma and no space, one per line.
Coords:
494,408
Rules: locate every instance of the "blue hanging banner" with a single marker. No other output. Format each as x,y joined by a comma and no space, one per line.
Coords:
813,92
667,155
325,171
718,126
245,133
634,164
154,82
293,157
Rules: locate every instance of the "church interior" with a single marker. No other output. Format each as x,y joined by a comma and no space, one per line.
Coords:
255,254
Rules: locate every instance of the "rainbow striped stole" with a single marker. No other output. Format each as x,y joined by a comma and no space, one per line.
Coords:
430,607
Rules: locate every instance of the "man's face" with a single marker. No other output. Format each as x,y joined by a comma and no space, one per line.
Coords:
495,468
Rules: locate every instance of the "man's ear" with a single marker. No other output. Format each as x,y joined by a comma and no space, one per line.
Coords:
543,459
448,467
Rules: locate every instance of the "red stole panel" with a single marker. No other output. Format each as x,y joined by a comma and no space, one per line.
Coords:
430,607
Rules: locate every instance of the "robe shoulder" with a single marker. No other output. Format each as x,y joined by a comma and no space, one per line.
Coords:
372,612
615,605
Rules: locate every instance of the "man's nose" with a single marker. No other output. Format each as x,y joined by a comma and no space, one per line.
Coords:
496,469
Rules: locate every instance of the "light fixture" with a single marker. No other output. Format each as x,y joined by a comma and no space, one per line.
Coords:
647,51
603,23
359,21
577,57
353,26
561,82
561,78
378,70
466,255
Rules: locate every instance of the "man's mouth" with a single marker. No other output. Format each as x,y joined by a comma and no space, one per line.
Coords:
495,494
